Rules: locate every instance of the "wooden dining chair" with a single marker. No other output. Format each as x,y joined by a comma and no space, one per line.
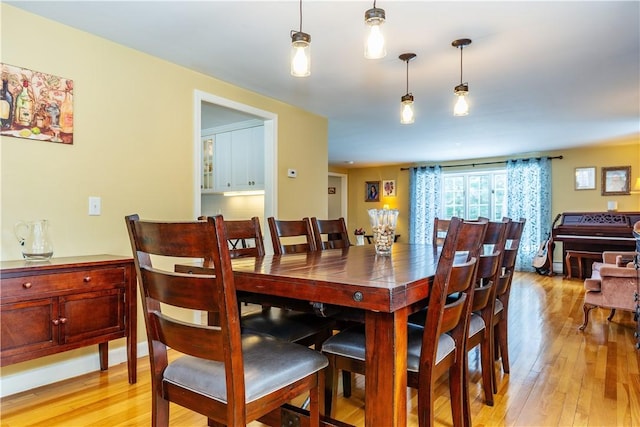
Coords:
287,319
484,296
291,236
501,309
435,348
440,227
330,233
230,377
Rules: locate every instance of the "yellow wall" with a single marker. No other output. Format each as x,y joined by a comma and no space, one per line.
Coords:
133,143
623,152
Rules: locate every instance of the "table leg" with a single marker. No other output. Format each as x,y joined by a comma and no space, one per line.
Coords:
386,369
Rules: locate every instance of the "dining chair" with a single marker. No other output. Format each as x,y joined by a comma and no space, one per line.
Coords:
440,227
435,348
230,377
291,236
330,233
484,296
284,318
501,309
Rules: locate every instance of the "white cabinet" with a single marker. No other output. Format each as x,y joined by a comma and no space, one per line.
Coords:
233,160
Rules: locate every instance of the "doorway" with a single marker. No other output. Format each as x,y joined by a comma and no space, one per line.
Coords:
218,111
338,205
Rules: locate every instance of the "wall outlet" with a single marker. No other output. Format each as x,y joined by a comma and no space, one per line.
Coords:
292,173
95,205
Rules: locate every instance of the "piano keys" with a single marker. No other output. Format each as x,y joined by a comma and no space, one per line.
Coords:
594,232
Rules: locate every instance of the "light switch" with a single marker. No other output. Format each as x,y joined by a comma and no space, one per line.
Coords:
95,205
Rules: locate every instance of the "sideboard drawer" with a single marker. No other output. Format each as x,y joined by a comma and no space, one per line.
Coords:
36,285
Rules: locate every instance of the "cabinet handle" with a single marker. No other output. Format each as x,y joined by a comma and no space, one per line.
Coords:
55,322
27,285
63,320
87,279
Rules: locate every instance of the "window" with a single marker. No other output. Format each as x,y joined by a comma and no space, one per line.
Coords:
473,194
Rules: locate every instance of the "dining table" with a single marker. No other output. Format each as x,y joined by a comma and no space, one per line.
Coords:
385,289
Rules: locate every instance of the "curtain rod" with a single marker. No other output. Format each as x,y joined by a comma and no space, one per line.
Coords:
483,163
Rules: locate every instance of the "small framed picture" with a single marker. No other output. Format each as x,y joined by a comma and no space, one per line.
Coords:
585,178
389,188
332,190
616,181
372,191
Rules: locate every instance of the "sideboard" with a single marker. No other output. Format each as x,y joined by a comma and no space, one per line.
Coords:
67,303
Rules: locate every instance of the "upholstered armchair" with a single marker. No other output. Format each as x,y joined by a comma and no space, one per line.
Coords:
612,285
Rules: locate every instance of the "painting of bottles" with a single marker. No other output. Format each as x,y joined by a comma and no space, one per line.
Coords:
35,105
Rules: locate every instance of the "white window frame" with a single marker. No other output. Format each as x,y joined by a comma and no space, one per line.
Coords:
493,174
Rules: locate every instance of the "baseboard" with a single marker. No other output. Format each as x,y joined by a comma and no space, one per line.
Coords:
36,377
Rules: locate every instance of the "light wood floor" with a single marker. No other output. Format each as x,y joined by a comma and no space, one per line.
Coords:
559,376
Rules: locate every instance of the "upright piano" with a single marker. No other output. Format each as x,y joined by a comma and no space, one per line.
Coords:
594,232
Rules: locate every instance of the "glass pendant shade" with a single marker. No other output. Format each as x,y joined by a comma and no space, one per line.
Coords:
407,115
462,107
374,46
300,54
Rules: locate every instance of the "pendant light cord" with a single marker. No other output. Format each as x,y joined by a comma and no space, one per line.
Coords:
461,48
407,76
300,15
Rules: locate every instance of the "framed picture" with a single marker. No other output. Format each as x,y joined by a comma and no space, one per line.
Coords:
389,188
38,106
616,180
332,190
372,191
585,178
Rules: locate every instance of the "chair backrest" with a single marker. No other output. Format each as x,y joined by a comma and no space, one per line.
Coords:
290,237
489,265
335,230
440,228
454,279
513,235
164,242
244,237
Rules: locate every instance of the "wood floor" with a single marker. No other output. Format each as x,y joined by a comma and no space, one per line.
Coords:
559,376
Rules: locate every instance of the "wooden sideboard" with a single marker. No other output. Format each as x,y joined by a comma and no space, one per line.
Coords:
67,303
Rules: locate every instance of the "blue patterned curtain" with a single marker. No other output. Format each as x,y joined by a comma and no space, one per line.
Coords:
424,202
529,197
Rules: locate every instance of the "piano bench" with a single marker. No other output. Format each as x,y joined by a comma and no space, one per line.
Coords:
580,256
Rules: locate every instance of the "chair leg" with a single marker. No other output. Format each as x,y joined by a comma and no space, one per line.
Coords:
160,411
346,383
503,342
331,387
314,403
586,308
486,362
457,390
613,312
425,405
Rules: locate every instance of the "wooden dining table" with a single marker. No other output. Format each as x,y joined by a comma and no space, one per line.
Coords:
385,288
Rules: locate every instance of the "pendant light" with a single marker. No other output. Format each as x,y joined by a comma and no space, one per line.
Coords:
462,90
374,47
407,115
300,51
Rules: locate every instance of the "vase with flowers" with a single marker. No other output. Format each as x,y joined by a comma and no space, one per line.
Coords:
359,236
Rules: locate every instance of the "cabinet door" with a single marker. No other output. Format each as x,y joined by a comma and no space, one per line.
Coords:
247,155
92,314
28,326
222,162
207,163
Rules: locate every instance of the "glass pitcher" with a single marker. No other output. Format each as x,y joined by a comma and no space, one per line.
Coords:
35,240
383,224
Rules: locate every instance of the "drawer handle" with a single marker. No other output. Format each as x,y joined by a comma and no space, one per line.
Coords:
27,285
87,279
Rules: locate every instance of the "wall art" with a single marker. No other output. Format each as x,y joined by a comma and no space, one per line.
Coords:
36,105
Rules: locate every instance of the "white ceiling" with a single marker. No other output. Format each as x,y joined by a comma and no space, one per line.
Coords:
542,75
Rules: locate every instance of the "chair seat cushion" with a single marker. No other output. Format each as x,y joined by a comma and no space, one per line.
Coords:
476,324
498,307
269,364
351,343
286,325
